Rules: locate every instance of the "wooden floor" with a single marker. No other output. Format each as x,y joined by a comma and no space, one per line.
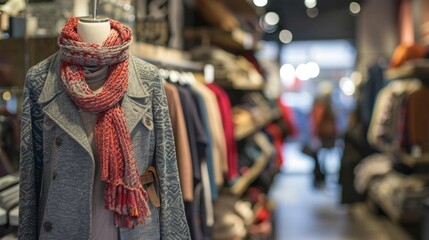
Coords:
305,213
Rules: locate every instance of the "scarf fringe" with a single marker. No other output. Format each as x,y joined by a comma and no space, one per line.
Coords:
129,206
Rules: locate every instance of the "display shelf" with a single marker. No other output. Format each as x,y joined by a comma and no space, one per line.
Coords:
393,212
237,39
412,69
10,236
182,65
244,181
412,161
3,216
245,130
165,57
13,216
8,181
244,86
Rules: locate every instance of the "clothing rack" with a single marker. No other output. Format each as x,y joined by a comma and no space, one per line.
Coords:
171,58
183,65
399,135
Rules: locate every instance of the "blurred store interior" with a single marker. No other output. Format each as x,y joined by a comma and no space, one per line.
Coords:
320,109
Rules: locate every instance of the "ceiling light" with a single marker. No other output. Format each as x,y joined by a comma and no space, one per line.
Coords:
310,3
285,36
271,18
302,73
287,74
313,69
260,3
269,28
7,96
347,86
354,7
312,12
266,27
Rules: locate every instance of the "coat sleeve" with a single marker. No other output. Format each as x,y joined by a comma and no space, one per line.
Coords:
30,164
31,151
172,215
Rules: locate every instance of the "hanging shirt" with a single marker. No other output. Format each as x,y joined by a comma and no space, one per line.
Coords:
215,127
224,107
201,207
184,161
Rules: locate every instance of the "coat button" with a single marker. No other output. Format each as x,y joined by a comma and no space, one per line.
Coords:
49,122
148,122
58,141
47,226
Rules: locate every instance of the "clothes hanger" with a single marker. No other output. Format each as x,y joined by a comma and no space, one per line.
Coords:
209,73
174,76
192,78
184,78
164,74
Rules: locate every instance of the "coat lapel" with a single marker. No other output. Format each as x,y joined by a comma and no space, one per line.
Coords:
62,110
135,102
66,115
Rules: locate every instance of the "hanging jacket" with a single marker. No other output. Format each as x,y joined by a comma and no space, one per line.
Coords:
57,163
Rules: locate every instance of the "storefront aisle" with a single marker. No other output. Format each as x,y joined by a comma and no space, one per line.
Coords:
305,213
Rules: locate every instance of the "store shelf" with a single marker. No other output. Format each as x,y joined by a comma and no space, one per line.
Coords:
11,236
246,179
3,216
411,161
182,65
243,86
413,69
245,130
165,57
394,213
237,39
14,216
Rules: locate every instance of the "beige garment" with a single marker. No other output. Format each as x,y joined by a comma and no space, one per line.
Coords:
102,220
217,132
183,152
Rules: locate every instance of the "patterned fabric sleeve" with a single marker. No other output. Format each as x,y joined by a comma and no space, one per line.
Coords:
31,152
172,218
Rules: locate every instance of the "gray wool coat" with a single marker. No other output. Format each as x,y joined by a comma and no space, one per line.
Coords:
57,163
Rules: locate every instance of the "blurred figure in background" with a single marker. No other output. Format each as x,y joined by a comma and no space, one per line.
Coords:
323,134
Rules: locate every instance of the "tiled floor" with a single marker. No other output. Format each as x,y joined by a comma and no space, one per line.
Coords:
305,213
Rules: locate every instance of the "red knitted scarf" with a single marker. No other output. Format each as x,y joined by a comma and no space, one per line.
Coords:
123,192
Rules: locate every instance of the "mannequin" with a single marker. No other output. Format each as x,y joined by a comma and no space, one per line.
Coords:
96,30
60,164
93,30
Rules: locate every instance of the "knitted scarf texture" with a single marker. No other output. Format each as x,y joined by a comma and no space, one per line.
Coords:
123,193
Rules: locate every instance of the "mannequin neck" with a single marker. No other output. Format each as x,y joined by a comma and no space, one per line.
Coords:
93,32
